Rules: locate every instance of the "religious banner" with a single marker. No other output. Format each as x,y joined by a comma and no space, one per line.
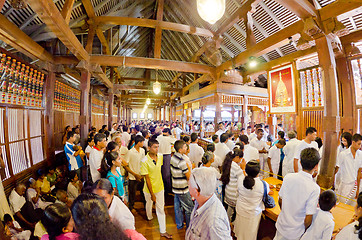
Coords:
281,90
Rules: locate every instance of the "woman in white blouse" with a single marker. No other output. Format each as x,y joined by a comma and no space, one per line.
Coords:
74,186
353,231
249,204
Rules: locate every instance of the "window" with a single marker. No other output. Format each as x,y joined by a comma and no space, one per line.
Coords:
142,115
23,141
149,116
134,115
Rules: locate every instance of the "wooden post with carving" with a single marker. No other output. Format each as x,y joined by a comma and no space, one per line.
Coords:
84,110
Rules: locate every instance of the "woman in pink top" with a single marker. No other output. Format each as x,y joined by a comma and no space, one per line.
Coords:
58,222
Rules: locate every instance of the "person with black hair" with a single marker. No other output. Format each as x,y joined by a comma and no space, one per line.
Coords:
73,156
14,229
125,136
96,156
187,139
307,142
217,162
74,186
92,221
250,152
146,136
289,151
281,135
231,171
112,162
196,151
254,134
275,159
350,166
221,129
134,158
221,148
346,142
230,143
154,188
90,145
58,222
215,139
260,144
118,211
66,130
353,231
298,198
249,205
323,224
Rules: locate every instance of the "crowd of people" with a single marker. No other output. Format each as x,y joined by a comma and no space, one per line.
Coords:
218,191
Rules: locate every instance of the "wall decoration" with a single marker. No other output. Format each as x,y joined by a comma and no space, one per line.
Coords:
282,90
357,77
312,87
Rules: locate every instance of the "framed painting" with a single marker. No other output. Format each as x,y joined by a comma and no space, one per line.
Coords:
281,86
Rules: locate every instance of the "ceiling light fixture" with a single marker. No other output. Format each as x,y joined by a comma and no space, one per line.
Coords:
157,85
253,62
211,10
148,101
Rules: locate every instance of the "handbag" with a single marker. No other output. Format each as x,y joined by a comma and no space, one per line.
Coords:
267,200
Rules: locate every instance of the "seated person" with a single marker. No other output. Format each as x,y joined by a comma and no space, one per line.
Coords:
62,197
14,229
44,186
33,195
23,210
52,176
39,230
74,185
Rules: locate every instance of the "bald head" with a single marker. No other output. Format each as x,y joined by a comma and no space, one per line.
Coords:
20,189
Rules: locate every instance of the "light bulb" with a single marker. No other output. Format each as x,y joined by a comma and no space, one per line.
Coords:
156,87
211,10
253,63
148,101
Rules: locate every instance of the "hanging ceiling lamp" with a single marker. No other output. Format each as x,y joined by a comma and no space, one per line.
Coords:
211,10
148,101
157,84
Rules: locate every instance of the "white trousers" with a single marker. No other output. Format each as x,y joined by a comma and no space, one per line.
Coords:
346,190
160,211
246,228
279,236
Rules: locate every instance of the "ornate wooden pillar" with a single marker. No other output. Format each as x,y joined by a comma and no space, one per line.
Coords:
202,125
331,119
232,114
110,109
49,117
84,108
217,100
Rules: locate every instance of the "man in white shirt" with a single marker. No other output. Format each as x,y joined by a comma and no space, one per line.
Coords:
289,151
298,198
134,158
349,164
96,155
196,152
177,132
262,147
114,128
221,129
166,142
221,149
230,143
307,142
250,152
275,159
125,136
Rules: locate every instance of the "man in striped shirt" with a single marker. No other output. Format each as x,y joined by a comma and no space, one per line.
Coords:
180,175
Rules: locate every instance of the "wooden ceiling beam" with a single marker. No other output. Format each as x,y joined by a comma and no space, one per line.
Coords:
13,36
301,8
50,15
67,10
338,7
138,96
150,23
158,31
276,40
144,80
151,63
142,88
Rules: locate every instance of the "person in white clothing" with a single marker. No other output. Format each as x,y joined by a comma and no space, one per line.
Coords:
353,231
230,143
275,159
114,128
221,149
96,155
289,151
250,152
307,142
346,141
196,152
298,198
323,223
249,204
176,132
350,165
217,162
262,147
118,211
125,136
220,130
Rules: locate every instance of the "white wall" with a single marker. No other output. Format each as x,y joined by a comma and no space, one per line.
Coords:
139,110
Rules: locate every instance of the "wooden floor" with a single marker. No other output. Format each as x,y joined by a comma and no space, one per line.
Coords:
150,229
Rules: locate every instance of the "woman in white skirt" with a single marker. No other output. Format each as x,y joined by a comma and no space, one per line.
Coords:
249,204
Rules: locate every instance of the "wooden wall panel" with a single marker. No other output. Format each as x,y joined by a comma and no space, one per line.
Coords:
312,118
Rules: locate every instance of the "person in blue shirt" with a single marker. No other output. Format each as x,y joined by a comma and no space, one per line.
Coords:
75,161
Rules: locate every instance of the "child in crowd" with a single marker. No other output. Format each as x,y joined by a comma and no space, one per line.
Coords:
74,186
90,145
322,224
275,159
13,229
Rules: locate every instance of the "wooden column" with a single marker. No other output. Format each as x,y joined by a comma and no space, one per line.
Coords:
164,113
119,112
240,112
104,112
245,112
110,109
217,99
49,117
346,84
124,112
331,119
183,118
84,108
232,114
202,127
271,122
90,108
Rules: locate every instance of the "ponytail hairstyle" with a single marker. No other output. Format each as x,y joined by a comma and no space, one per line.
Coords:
104,166
226,166
207,157
359,226
107,162
252,170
